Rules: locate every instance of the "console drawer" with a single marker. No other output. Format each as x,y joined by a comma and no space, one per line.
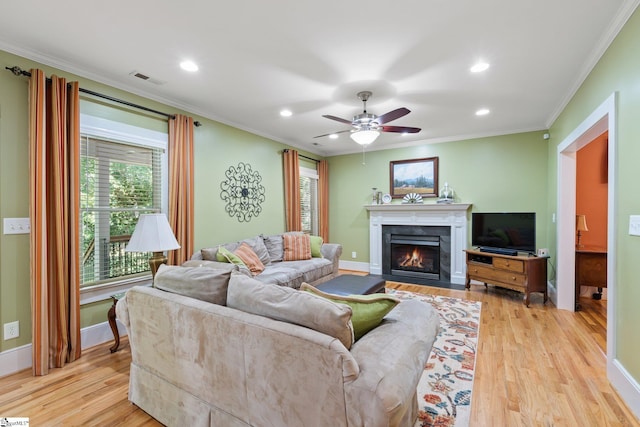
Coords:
509,264
490,274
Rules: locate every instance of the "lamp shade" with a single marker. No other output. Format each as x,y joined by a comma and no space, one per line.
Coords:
152,234
581,223
365,137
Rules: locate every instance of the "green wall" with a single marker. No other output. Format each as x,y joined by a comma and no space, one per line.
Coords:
217,147
617,71
502,173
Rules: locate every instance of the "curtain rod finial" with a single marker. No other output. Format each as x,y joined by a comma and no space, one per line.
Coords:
16,70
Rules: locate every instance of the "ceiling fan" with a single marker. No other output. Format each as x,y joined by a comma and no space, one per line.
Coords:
366,127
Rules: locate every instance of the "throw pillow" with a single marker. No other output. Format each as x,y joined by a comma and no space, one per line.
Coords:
296,247
258,246
250,259
368,310
316,246
203,283
274,247
225,255
289,305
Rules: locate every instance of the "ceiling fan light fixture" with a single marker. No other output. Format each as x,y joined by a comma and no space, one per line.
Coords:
365,137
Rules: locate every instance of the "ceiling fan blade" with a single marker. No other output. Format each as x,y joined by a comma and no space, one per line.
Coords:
337,119
392,115
333,133
399,129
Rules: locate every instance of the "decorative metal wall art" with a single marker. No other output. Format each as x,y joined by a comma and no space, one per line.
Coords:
243,192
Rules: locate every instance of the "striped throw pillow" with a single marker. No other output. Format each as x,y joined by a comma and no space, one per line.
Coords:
250,259
296,247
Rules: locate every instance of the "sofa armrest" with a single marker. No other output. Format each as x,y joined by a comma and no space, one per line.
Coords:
392,358
332,251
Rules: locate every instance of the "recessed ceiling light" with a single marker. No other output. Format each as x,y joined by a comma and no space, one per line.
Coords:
286,113
482,112
189,66
479,67
333,136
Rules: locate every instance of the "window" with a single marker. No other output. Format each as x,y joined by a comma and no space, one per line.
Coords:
309,200
122,175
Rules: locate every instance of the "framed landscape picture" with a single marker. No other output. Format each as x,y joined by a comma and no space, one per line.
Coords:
418,176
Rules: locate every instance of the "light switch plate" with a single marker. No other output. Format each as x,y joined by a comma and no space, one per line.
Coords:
634,225
16,226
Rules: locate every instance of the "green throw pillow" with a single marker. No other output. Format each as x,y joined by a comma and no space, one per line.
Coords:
316,245
368,310
225,255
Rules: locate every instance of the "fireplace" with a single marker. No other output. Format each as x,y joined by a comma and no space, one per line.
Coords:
416,251
449,216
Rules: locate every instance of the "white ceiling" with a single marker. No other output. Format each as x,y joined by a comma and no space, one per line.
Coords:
258,57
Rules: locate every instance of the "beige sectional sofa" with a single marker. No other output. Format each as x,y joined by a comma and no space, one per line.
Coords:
270,250
219,348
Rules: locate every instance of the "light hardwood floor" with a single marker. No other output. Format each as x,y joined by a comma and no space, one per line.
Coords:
536,366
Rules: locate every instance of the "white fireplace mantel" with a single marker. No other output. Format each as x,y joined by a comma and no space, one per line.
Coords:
453,215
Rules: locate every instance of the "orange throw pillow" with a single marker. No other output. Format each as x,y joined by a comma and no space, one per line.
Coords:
250,259
296,247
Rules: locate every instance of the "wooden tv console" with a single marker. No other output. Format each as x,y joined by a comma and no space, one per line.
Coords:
523,273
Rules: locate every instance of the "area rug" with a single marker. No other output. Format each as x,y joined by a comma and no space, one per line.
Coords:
444,390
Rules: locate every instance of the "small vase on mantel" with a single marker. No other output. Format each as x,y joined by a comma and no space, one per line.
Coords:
446,194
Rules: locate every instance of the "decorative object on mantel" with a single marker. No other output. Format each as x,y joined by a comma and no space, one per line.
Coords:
243,192
446,194
386,199
412,198
374,196
419,176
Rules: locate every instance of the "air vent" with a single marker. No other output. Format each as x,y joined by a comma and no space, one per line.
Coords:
146,78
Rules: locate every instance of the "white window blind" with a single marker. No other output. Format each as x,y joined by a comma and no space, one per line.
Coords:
309,200
118,182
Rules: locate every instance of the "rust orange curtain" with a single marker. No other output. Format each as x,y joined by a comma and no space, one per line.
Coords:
323,200
181,186
54,163
293,214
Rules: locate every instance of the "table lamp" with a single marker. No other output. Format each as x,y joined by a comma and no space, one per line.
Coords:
153,234
581,225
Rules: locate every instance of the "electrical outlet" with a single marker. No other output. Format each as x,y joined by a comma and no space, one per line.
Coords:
354,254
11,330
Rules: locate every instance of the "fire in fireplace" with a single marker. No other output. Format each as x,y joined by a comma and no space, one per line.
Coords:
415,256
421,252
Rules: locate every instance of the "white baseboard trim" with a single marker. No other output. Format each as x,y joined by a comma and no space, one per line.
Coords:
625,385
20,358
15,360
354,265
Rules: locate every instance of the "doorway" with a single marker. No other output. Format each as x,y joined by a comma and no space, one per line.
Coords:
601,120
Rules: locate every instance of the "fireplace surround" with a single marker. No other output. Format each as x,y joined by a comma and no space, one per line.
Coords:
449,220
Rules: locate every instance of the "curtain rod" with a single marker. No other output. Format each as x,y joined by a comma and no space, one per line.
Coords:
20,72
286,150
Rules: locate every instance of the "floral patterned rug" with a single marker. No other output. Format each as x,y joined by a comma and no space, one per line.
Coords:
444,390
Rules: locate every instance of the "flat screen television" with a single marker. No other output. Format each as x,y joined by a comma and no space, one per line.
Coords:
510,231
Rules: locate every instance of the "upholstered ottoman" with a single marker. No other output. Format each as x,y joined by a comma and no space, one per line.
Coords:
350,284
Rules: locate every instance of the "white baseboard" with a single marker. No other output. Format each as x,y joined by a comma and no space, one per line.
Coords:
354,266
20,358
15,360
625,385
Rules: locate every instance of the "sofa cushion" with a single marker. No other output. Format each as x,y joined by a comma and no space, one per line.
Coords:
368,310
316,246
289,305
274,247
203,283
296,247
249,258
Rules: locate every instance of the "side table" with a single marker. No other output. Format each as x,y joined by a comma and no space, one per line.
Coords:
111,316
